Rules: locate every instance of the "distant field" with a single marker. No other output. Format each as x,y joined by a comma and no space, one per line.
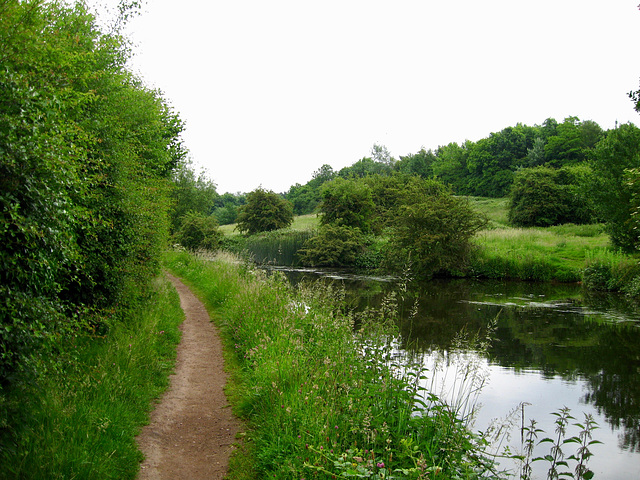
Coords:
494,208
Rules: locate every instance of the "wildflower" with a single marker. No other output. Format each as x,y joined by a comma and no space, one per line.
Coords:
380,464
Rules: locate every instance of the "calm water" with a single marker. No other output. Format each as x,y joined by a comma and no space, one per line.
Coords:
553,346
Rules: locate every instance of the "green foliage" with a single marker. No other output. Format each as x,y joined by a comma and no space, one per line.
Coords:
613,195
334,246
86,152
543,196
190,193
264,211
226,207
198,231
316,392
81,420
347,203
451,167
571,142
420,164
433,235
492,161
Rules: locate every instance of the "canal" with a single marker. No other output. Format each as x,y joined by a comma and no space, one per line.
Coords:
550,346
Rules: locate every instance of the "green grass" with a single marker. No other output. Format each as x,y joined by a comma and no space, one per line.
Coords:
81,418
322,400
495,209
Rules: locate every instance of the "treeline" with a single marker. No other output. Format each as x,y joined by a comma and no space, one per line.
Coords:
485,168
554,173
87,158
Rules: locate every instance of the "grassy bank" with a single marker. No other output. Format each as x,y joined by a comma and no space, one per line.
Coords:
322,401
80,418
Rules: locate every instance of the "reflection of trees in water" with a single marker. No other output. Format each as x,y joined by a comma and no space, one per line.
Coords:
607,356
615,395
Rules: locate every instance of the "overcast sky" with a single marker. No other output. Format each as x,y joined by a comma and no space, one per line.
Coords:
270,90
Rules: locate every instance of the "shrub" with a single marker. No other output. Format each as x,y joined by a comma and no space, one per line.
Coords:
198,231
347,203
433,235
334,246
264,211
543,196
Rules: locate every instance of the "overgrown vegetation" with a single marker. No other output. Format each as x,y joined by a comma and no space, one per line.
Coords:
87,153
316,393
81,418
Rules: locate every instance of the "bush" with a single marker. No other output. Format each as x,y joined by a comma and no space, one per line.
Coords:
433,235
614,185
543,196
198,231
334,246
347,203
264,211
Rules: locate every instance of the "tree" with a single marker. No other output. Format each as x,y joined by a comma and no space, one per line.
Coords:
432,235
264,211
191,193
348,203
86,154
493,160
614,155
451,166
544,196
571,142
417,164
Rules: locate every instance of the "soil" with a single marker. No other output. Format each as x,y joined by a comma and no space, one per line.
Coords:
192,430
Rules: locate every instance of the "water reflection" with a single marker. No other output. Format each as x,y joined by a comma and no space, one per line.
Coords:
554,345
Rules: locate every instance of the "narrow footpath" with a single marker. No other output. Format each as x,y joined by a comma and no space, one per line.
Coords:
192,429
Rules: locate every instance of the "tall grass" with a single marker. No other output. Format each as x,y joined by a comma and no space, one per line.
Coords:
324,399
81,418
543,254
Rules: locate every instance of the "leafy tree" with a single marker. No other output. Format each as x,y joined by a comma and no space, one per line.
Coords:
334,246
390,193
191,193
226,207
198,231
433,235
417,164
86,152
571,142
536,154
451,166
543,196
264,211
348,203
618,152
493,160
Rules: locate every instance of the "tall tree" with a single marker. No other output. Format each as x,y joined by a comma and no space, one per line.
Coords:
613,157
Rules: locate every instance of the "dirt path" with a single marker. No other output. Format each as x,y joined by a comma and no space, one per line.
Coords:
192,429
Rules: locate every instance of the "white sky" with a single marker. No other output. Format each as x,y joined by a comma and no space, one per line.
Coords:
271,90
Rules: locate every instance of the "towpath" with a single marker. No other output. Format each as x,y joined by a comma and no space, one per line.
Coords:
192,429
